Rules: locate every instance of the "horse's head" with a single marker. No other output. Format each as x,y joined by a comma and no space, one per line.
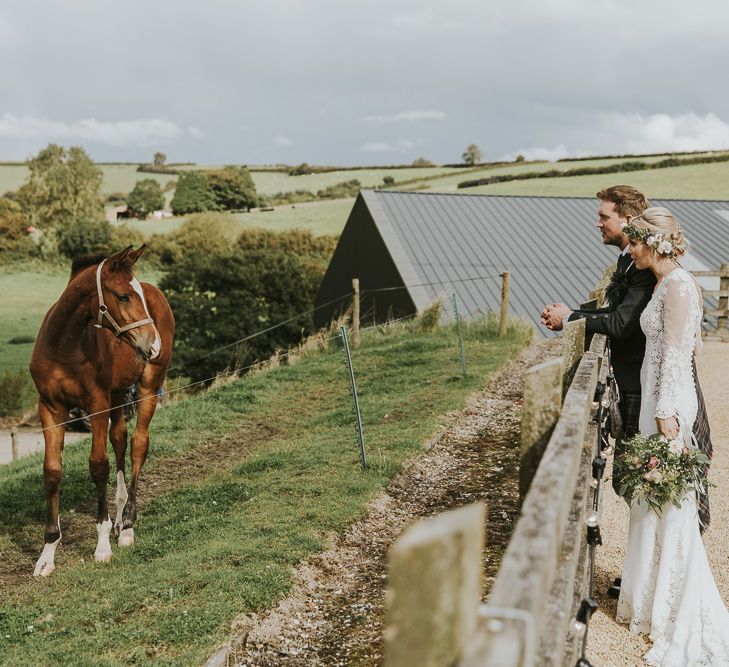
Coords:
122,305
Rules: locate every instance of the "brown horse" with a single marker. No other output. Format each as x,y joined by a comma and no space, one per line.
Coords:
106,332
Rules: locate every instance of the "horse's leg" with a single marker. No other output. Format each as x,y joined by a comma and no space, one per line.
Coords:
151,381
118,437
53,437
99,469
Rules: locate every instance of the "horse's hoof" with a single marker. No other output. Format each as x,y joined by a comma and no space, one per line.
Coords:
43,569
103,546
45,565
126,537
102,556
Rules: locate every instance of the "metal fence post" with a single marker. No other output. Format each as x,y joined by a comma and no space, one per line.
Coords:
355,398
355,313
460,334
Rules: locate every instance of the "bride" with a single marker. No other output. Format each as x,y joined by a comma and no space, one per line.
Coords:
667,589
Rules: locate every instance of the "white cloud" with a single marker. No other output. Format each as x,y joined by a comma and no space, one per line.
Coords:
138,132
539,153
617,133
377,147
280,140
195,132
401,145
409,116
660,132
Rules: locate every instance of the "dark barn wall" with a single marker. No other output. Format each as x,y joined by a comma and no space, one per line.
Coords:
361,253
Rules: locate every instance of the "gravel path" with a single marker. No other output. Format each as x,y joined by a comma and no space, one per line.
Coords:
610,643
334,613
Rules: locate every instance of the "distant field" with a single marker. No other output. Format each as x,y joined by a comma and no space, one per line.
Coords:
319,217
117,177
26,297
449,183
700,181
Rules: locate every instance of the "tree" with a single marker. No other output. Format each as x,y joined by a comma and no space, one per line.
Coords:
159,159
231,293
192,194
63,185
83,236
14,238
422,162
232,188
472,155
146,197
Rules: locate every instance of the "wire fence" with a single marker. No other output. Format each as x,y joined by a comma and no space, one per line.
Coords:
282,355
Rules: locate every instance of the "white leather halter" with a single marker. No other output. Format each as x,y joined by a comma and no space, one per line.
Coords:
103,311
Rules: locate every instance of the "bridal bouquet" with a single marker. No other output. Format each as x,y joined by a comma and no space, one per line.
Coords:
658,471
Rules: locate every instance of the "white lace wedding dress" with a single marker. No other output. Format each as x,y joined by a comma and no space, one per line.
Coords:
668,590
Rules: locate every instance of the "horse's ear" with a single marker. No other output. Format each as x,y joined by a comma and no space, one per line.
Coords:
118,259
134,255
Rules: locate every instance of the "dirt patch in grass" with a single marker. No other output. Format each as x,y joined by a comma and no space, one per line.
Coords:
158,477
335,612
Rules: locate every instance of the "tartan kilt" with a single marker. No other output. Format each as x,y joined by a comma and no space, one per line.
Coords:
702,433
630,414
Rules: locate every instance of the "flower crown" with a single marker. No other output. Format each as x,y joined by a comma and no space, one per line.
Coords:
662,245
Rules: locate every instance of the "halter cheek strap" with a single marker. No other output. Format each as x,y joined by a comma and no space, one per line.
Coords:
104,312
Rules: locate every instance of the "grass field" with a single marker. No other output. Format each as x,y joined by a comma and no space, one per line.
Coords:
26,297
247,481
450,183
700,181
319,217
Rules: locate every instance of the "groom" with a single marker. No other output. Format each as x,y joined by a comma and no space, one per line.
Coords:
627,295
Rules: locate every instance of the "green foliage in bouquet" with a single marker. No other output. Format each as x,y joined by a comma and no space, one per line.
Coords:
655,470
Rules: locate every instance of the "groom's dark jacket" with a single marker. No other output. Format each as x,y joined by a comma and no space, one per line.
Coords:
627,295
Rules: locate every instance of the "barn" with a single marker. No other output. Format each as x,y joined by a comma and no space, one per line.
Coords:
409,249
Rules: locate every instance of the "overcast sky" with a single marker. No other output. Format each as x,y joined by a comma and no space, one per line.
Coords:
362,81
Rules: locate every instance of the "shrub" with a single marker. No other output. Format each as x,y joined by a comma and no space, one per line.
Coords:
519,158
13,387
295,197
200,236
84,236
317,251
235,292
302,170
116,198
146,197
232,188
388,180
15,242
422,162
123,235
340,190
192,194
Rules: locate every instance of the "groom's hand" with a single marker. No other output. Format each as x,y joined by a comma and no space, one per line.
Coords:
553,316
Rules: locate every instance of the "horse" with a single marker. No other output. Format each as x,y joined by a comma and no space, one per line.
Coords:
106,332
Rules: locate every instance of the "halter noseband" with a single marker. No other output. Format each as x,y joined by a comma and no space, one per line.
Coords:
103,311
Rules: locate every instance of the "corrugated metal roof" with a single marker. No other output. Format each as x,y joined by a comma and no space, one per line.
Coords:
550,245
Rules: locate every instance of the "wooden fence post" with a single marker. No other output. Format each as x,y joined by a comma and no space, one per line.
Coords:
504,315
355,313
721,320
435,589
540,412
14,445
573,347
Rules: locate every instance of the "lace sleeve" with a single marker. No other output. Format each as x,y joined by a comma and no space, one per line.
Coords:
676,357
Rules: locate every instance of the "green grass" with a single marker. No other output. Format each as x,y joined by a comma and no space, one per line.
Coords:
225,543
700,181
319,217
26,297
450,183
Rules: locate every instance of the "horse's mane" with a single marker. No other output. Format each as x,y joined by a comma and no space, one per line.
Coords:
83,261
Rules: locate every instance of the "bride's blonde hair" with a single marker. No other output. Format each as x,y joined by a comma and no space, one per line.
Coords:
659,220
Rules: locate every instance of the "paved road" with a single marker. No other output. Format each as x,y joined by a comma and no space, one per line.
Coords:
29,442
610,643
